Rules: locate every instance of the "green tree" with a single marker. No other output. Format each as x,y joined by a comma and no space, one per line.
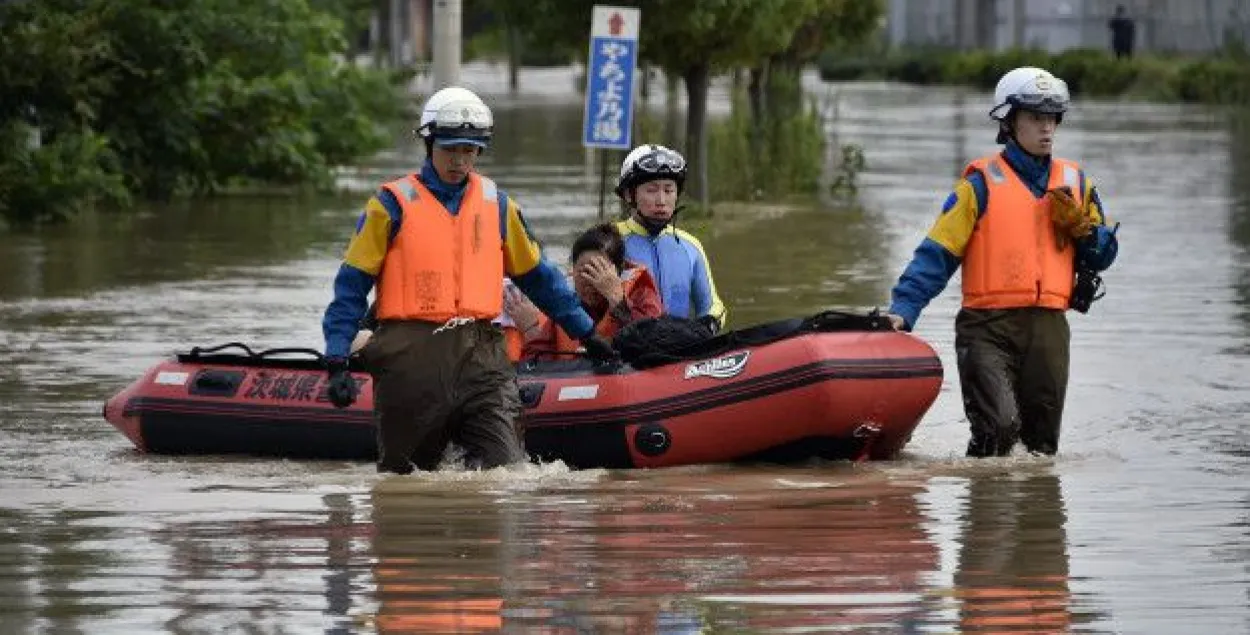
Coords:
833,24
692,39
699,39
184,96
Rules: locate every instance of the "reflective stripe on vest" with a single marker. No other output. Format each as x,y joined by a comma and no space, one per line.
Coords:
1012,259
441,265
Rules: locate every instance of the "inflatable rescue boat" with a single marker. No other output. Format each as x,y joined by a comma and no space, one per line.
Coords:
787,391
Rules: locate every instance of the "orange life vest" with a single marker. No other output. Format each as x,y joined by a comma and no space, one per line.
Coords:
441,265
631,278
515,341
1012,259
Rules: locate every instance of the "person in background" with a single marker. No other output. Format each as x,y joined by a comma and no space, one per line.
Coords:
1123,32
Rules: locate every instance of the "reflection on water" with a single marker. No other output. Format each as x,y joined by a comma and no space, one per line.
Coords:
1239,210
716,550
1138,526
1013,560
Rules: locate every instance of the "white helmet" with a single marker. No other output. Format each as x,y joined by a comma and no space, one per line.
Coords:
651,162
456,116
1029,88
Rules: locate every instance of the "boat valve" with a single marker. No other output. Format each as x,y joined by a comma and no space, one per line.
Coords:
868,432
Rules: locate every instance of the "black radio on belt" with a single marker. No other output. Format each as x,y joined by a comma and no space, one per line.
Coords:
1088,288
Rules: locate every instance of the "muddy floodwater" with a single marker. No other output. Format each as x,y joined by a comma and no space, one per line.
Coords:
1140,525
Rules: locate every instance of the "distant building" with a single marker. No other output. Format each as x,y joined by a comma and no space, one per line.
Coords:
1189,26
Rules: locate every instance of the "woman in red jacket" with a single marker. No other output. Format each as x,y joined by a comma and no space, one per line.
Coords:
613,291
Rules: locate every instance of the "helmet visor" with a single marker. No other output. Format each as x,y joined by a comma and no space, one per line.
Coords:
1046,94
464,135
461,123
661,162
1040,102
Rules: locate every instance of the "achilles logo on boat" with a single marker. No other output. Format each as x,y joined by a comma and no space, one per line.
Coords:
722,367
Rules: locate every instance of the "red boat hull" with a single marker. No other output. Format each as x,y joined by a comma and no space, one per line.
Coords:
834,395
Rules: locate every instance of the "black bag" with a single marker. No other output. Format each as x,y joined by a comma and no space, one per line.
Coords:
667,339
660,340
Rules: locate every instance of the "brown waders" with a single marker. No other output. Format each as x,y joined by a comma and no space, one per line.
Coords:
432,388
1013,368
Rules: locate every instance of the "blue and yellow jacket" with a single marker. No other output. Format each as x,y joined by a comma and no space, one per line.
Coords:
680,268
524,263
940,254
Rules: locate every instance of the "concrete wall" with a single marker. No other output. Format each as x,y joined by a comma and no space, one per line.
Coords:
1192,26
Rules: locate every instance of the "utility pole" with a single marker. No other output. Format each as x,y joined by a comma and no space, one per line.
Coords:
447,43
1019,21
396,34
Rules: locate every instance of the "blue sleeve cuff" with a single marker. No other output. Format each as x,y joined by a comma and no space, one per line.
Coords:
342,317
546,287
926,276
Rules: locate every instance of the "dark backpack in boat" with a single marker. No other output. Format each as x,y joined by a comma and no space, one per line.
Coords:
667,339
657,341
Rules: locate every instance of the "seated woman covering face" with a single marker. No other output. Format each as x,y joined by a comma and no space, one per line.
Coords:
613,291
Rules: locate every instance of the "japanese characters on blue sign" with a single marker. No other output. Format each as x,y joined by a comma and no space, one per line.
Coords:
609,116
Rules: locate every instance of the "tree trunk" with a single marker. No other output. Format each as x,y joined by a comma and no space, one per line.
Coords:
514,56
697,78
396,40
380,29
783,90
672,109
756,95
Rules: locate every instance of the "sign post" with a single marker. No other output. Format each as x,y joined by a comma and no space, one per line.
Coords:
608,120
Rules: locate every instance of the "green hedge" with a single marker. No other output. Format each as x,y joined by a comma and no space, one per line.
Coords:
1219,79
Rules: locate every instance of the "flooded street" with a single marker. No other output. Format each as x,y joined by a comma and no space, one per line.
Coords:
1140,525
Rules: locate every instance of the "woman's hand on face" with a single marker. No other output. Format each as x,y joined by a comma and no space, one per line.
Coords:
603,277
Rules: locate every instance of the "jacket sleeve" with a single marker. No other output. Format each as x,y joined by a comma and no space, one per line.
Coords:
540,281
1098,250
706,301
358,273
642,302
644,299
941,252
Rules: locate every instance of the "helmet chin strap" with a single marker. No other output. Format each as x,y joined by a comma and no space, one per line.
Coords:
653,226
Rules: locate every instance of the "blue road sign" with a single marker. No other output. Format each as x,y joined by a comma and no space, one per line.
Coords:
609,116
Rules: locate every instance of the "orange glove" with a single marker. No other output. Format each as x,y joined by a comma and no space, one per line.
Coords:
1071,221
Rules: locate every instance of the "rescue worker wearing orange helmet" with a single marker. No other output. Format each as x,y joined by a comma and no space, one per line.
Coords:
438,244
1021,223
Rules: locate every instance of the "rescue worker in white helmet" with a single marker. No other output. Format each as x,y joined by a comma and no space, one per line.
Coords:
1030,232
438,244
651,181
